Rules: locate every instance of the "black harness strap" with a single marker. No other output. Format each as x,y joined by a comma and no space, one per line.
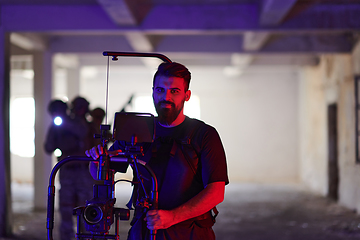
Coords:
186,143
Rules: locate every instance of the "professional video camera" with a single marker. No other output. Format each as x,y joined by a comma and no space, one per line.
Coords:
95,218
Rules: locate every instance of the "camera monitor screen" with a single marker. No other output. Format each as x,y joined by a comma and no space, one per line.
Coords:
127,124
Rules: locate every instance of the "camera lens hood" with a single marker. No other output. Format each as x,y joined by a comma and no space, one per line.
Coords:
93,213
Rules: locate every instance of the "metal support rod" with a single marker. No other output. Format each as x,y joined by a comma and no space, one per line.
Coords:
136,54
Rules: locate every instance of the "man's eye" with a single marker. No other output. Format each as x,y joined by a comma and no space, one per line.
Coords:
175,91
160,90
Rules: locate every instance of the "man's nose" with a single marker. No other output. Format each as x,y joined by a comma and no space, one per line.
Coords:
167,95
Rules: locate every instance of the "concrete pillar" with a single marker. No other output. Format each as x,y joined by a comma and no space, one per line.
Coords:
73,83
42,95
5,178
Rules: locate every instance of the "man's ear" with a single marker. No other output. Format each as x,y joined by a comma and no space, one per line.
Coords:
187,95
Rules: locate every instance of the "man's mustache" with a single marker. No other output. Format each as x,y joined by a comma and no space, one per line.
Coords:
166,102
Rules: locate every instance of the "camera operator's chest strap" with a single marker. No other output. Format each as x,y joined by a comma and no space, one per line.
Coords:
190,149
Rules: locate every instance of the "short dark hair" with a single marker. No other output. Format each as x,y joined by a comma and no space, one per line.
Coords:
80,102
173,70
56,106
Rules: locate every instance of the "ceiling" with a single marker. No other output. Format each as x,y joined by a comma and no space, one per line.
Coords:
237,33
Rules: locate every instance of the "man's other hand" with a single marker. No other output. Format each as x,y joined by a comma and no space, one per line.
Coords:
159,219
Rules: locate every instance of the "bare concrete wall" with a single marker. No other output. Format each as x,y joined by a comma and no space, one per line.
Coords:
349,171
255,113
330,82
312,130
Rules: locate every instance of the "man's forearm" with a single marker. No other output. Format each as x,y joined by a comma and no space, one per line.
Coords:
207,199
203,202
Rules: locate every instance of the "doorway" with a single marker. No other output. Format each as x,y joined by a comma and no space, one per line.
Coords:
333,168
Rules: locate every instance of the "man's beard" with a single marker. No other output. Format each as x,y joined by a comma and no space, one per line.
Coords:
168,115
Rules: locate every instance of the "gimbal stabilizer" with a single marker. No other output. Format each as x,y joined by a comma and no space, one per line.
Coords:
97,216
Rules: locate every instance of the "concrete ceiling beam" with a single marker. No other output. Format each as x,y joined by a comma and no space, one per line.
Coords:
225,19
28,41
126,12
331,43
118,12
327,43
274,11
254,41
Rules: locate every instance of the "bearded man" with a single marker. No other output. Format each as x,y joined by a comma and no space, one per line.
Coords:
188,160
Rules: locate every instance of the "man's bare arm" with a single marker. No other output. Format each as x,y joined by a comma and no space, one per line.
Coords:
203,202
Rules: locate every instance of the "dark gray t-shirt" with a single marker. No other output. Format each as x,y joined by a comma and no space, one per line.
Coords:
185,167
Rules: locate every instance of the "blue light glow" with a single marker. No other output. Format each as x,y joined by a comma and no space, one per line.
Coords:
58,121
57,152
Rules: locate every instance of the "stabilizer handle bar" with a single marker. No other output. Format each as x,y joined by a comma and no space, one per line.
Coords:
136,54
51,188
51,191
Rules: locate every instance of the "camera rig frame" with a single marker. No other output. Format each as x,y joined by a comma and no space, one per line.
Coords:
105,190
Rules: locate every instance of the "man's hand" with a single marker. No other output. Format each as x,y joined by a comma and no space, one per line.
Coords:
95,152
212,195
159,219
98,150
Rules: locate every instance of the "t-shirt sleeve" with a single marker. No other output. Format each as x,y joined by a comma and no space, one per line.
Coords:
213,159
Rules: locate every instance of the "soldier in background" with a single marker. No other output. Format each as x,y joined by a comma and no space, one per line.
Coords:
72,137
97,116
62,134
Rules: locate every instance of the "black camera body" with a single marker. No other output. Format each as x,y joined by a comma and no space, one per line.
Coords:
98,212
98,215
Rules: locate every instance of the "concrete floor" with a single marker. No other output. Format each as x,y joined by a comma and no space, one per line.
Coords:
249,212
